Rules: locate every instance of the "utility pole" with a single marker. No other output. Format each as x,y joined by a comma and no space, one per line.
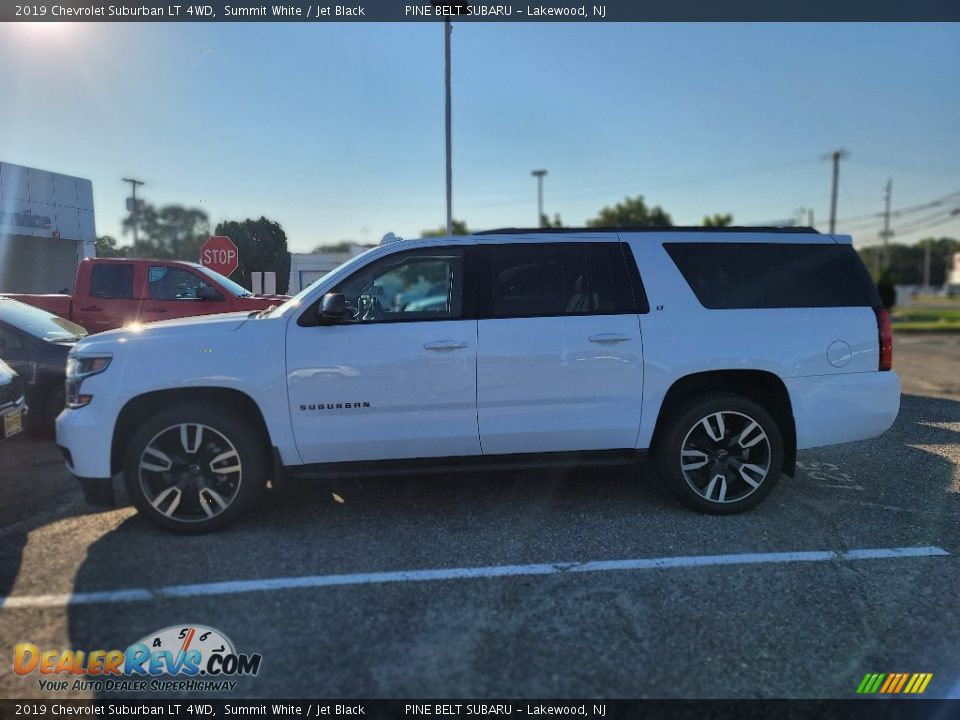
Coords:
538,174
926,264
887,233
134,209
447,31
836,156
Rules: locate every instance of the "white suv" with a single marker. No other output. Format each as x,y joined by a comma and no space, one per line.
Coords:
721,352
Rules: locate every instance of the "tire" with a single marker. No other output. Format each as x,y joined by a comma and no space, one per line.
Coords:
195,468
721,453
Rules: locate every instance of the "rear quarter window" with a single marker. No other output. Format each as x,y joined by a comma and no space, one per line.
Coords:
111,282
774,275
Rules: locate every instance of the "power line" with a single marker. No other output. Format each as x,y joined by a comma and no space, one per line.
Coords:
947,219
930,221
946,199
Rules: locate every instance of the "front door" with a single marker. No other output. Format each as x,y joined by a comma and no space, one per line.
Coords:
174,292
397,378
560,364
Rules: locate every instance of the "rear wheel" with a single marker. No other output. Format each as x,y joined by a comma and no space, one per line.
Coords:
195,468
721,454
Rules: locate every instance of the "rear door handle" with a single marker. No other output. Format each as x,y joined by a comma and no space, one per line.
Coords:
445,345
91,308
609,338
155,310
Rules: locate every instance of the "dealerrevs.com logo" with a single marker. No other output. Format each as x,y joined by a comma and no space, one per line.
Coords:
178,658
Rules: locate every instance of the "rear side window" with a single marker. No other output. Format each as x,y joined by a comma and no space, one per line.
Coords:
112,281
774,275
553,279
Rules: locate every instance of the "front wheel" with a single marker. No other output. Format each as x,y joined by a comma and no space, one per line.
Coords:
194,468
721,454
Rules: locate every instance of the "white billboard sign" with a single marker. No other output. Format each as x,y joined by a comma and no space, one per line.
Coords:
42,204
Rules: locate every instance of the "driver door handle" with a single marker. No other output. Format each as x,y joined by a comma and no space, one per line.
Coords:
608,338
445,345
155,309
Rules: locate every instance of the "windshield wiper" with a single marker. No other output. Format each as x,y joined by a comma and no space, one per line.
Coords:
266,311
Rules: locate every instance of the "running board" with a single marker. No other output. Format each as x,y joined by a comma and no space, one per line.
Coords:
465,464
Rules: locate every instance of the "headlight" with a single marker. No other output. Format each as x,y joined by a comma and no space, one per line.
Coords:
78,370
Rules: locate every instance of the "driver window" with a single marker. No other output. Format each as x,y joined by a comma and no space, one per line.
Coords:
417,285
172,283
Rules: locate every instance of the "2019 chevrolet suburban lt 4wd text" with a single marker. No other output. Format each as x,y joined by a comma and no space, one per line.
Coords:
721,352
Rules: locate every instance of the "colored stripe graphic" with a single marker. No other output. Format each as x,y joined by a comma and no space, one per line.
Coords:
894,683
903,679
891,681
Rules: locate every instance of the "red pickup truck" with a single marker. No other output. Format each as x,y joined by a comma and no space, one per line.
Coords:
111,292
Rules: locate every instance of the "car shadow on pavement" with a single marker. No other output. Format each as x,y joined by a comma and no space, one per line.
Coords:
502,518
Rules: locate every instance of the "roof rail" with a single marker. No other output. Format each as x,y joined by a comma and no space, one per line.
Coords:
671,228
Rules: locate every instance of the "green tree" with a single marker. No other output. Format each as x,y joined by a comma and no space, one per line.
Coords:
459,228
107,247
632,212
718,220
546,222
172,232
340,247
907,261
263,248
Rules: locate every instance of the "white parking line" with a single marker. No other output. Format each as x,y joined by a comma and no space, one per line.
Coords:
233,587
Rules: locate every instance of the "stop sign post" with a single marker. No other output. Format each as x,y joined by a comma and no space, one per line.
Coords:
220,255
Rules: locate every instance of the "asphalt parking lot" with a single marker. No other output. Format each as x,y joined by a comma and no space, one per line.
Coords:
588,583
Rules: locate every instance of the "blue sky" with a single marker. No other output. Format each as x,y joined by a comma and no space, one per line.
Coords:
336,130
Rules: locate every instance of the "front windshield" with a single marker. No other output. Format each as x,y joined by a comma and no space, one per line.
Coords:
39,323
228,285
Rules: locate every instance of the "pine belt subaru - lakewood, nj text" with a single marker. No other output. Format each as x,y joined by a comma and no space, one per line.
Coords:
719,352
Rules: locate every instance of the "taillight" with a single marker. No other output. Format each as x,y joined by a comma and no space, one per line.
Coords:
886,339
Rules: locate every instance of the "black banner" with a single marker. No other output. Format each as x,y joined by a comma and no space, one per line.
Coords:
491,709
476,11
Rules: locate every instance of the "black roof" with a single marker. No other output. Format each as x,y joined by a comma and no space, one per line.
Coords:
672,228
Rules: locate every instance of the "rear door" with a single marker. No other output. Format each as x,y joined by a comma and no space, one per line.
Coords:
560,358
111,301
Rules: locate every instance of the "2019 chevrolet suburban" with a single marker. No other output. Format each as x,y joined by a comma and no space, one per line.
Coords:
721,352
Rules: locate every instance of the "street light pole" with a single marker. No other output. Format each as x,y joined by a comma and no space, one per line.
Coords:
134,210
447,30
538,174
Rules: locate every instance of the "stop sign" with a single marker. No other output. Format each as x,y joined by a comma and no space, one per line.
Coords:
220,255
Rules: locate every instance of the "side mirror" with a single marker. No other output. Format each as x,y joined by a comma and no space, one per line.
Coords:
205,292
333,308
